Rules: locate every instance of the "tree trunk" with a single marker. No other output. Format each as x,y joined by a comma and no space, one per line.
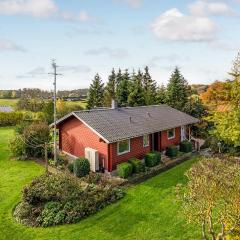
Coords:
204,237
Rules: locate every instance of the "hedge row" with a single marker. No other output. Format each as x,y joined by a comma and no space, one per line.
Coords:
135,165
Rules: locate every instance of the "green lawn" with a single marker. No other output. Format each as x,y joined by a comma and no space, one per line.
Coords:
8,102
148,211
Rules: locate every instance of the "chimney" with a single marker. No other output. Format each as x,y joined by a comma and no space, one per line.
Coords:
114,104
148,114
130,119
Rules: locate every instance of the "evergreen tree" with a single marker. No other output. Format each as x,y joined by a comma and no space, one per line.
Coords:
136,95
110,89
177,91
96,93
161,95
123,82
150,88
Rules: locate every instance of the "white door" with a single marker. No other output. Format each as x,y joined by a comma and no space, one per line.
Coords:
183,133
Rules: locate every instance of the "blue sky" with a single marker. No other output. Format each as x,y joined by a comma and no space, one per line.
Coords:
90,36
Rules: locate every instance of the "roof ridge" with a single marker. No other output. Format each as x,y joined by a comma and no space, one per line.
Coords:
119,108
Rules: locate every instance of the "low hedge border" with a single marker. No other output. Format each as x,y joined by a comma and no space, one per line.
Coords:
153,171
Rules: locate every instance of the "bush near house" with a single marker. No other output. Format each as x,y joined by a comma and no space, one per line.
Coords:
70,167
10,118
185,146
138,165
124,170
81,167
171,151
152,159
56,199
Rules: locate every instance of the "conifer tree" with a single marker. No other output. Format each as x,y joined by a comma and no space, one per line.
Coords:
161,95
150,88
123,81
96,93
136,95
110,89
177,91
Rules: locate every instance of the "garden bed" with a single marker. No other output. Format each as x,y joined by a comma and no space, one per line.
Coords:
153,171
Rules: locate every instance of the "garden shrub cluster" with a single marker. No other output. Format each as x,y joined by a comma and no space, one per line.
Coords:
152,159
10,118
81,167
57,199
124,170
137,165
29,140
171,151
185,146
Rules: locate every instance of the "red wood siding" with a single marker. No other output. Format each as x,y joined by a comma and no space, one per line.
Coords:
76,136
165,141
136,150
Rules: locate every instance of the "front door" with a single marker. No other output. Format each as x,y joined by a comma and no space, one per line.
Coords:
156,142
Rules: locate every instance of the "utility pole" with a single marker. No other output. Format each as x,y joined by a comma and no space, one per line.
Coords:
46,157
55,74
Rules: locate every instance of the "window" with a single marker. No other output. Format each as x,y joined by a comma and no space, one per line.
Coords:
123,146
171,133
146,140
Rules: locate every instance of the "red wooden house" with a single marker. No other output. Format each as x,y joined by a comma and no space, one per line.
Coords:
117,134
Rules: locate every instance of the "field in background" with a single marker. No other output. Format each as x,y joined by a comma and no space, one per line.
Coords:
13,102
8,102
148,211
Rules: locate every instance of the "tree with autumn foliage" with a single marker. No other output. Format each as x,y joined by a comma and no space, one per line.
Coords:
211,198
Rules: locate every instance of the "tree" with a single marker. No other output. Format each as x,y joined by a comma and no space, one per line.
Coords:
161,95
211,197
48,111
177,90
95,94
110,89
195,108
136,95
123,81
150,87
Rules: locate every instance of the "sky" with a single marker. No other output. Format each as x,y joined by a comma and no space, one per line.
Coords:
86,37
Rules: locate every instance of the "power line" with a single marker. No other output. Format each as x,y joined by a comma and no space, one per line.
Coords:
55,74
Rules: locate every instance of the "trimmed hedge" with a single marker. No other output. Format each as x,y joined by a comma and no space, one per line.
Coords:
152,159
124,170
81,167
10,118
137,165
171,151
185,146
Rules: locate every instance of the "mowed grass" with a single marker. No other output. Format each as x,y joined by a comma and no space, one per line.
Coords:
8,102
82,104
148,211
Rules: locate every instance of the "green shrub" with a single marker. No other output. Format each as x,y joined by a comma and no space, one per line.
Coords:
171,151
62,160
137,165
10,118
185,146
152,159
56,199
124,170
70,167
18,148
81,167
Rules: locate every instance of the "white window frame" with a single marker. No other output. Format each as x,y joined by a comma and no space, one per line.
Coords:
173,134
147,145
127,151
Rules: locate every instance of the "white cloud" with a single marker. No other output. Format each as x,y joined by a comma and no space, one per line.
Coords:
6,45
204,8
36,8
82,16
116,53
173,25
131,3
41,9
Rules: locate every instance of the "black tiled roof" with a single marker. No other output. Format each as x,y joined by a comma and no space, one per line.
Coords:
123,123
